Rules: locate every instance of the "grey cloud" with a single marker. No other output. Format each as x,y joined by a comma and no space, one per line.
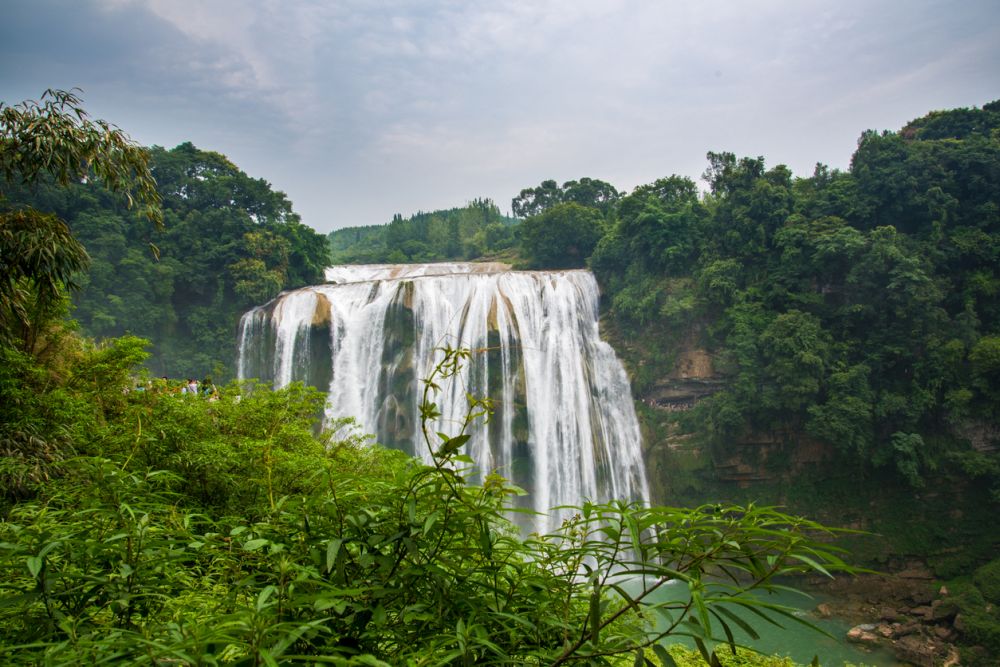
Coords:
359,110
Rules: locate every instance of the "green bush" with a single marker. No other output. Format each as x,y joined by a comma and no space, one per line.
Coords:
987,580
202,532
980,620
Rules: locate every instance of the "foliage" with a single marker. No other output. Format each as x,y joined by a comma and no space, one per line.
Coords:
980,620
352,555
589,192
229,242
987,580
741,658
55,137
562,237
859,308
39,257
474,230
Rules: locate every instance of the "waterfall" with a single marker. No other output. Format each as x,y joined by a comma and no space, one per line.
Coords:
564,426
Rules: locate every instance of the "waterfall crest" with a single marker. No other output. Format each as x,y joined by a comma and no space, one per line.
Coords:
564,426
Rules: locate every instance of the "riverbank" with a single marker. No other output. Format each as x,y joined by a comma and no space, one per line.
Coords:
908,613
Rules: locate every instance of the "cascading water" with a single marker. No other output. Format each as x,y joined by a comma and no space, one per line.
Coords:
564,427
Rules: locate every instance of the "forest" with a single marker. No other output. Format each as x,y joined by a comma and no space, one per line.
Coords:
859,309
226,243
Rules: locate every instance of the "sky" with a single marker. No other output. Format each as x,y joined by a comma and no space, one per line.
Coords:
360,109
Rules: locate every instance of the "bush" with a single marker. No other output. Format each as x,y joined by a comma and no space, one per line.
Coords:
980,621
987,580
223,531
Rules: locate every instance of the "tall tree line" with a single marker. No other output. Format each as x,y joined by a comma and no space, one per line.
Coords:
228,242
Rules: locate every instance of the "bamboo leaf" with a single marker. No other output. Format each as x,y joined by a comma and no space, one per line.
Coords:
663,654
332,549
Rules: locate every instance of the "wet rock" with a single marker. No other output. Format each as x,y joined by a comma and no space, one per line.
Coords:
944,633
923,611
823,610
921,595
859,635
890,614
915,649
943,610
916,571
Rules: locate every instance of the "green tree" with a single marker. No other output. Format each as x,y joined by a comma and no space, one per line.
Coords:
562,237
590,192
229,242
39,257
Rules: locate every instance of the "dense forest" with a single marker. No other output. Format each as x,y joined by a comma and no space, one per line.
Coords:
228,242
857,309
469,232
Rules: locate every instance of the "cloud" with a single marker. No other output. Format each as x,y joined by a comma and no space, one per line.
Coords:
360,109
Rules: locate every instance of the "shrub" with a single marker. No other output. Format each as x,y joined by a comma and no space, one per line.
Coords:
987,580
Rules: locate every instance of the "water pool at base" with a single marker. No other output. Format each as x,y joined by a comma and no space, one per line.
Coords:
793,639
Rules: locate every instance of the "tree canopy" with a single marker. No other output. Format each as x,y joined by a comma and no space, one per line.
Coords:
228,242
853,307
55,140
466,232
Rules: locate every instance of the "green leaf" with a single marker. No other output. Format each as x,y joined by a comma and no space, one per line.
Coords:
337,604
34,564
725,628
746,627
811,563
264,595
699,605
332,549
268,658
703,650
451,445
625,596
253,545
663,654
429,522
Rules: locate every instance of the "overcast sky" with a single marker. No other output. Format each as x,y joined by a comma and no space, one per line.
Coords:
362,109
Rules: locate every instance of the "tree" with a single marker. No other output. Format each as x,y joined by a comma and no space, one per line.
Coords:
533,201
590,192
55,137
563,237
39,256
229,242
661,221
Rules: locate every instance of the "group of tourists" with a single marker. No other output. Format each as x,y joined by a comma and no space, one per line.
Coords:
187,387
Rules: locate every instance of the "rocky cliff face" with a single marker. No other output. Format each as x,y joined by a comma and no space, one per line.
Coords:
677,455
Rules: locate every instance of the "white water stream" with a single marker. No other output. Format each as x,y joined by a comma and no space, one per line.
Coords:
564,426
